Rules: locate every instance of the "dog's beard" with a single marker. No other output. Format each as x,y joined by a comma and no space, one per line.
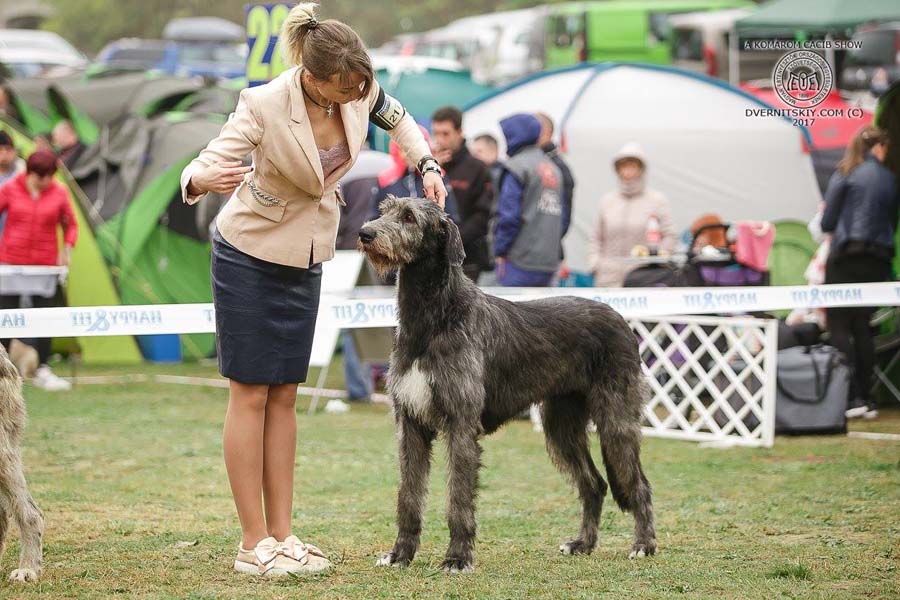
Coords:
381,258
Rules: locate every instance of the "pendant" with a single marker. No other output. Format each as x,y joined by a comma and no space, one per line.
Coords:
330,110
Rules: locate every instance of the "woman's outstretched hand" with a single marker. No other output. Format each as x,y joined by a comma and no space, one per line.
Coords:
221,178
434,188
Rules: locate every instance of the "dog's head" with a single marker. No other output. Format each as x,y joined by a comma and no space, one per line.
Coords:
410,230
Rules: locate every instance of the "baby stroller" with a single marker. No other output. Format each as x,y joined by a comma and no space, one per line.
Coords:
719,255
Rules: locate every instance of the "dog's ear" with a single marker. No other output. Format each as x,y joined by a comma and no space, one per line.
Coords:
453,245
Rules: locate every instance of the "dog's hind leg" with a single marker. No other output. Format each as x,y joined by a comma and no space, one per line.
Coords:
618,418
4,527
30,522
464,460
415,443
565,427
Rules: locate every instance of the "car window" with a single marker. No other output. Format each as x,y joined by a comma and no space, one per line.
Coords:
141,55
564,30
687,44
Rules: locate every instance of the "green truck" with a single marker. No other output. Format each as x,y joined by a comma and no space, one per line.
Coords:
619,30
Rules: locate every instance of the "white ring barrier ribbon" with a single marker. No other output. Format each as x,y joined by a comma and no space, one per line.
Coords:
339,311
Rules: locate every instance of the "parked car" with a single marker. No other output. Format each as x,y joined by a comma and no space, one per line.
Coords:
700,44
139,55
635,30
205,58
875,65
32,53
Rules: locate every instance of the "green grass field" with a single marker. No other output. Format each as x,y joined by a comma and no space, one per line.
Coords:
125,473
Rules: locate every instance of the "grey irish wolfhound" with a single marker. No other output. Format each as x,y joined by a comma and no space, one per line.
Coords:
15,501
465,362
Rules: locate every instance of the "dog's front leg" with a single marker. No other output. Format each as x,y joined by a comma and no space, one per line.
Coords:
464,458
415,462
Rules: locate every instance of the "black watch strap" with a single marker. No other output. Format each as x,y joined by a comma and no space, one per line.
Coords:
423,164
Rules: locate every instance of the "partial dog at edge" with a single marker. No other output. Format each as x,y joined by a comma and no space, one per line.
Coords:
15,501
465,362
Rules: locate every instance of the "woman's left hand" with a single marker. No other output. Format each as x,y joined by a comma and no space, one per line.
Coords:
434,188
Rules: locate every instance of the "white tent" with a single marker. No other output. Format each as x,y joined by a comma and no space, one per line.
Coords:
704,151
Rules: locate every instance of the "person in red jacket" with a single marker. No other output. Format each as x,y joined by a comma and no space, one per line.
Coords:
35,207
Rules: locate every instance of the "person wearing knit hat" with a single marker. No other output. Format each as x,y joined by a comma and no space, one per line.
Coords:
632,220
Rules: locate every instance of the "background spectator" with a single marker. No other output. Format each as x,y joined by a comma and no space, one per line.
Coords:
404,181
545,141
626,217
10,164
861,207
65,141
36,206
9,159
530,209
472,187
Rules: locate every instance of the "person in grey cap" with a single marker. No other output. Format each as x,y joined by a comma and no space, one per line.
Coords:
633,220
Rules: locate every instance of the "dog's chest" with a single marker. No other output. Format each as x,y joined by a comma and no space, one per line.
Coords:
411,389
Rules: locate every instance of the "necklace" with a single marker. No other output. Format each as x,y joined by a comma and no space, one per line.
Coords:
329,108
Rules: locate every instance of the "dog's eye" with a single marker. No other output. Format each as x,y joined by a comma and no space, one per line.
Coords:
409,218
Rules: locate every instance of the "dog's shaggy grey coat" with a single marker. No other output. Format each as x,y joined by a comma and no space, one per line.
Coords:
15,501
465,362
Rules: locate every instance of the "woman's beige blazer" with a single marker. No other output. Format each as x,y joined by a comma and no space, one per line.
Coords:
295,221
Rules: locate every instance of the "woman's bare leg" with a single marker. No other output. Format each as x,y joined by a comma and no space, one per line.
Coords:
242,441
279,451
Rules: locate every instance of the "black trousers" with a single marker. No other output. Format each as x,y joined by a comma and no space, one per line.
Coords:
42,345
849,327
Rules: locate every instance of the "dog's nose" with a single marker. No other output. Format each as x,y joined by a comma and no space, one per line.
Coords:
366,235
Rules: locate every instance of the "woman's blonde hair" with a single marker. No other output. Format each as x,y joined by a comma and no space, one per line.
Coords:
325,48
859,147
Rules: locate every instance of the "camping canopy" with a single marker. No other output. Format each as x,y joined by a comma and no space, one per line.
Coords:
704,152
157,246
422,90
817,16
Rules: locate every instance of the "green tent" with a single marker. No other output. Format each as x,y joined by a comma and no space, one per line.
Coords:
792,250
422,91
220,98
92,102
157,246
89,282
817,16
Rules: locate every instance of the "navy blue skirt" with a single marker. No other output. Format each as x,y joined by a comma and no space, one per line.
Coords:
265,316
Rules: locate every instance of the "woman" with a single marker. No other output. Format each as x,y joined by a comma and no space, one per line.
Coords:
304,130
861,205
35,207
631,217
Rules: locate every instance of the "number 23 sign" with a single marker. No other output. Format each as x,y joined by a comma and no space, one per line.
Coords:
264,61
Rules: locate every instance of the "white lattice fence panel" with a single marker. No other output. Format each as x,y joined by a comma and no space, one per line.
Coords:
713,378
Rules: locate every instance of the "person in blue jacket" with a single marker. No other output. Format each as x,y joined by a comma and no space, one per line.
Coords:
532,214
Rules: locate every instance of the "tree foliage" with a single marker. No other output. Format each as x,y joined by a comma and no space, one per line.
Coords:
90,24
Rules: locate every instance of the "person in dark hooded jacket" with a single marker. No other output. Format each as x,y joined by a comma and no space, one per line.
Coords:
531,211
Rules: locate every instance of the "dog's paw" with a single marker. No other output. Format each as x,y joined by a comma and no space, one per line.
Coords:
23,575
576,547
642,549
457,565
390,559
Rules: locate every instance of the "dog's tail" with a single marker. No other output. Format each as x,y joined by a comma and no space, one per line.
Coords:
618,419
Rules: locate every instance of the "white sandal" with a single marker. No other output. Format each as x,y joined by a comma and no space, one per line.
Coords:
271,558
